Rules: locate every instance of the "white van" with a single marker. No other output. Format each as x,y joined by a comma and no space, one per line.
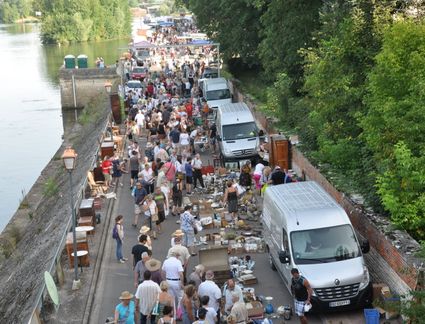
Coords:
237,132
305,228
216,92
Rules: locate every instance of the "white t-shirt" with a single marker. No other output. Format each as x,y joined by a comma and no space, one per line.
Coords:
210,289
172,268
197,163
211,315
147,174
184,139
140,119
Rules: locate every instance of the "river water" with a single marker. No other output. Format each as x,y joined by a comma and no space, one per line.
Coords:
31,125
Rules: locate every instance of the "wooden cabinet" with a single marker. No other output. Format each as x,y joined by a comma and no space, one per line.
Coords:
107,149
82,245
87,210
279,151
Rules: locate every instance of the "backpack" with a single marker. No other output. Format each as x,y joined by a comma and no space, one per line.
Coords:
115,232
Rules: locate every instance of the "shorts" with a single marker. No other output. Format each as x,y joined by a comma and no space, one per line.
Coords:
161,217
107,176
137,209
189,180
213,140
299,307
134,174
178,200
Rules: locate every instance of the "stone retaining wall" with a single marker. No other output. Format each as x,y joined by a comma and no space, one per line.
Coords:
89,83
391,260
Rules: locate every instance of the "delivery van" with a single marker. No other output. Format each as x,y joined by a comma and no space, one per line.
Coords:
216,92
237,132
305,228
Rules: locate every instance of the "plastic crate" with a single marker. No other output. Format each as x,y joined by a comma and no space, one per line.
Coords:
371,316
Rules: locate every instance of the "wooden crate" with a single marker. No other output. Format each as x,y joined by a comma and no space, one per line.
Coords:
215,258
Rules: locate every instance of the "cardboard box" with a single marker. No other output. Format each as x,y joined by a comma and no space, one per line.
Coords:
255,309
215,258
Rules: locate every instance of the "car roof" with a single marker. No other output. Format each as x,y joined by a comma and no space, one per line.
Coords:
237,112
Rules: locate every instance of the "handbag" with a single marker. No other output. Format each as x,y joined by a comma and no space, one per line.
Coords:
155,310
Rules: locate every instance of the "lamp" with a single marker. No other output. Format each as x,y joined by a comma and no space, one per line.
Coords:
69,158
108,86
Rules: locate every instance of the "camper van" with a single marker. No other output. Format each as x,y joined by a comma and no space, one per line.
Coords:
237,132
216,92
306,229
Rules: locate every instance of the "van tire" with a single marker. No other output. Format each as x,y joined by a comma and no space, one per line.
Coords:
272,266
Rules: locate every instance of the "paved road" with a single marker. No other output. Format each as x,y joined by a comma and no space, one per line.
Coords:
116,277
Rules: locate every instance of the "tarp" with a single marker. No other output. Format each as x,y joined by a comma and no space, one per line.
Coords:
143,44
166,24
200,42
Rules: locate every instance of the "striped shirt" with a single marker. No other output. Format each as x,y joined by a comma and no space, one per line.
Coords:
147,295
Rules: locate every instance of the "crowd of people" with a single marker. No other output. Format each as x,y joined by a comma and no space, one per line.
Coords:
167,127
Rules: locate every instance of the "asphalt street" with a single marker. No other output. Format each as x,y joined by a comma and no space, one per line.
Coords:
116,277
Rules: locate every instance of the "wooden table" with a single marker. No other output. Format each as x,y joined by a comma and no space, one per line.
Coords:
80,254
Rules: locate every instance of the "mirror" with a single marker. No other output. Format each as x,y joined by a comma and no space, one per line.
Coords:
365,246
284,257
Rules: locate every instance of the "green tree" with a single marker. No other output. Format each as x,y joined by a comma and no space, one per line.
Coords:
234,24
286,27
395,123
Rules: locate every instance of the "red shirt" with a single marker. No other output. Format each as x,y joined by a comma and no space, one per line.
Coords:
106,166
189,109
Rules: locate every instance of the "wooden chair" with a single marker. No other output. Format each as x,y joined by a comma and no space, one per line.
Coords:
97,187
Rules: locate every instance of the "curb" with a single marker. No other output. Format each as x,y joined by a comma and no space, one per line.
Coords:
99,260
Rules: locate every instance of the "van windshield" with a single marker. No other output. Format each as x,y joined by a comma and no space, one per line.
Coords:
218,94
324,245
239,131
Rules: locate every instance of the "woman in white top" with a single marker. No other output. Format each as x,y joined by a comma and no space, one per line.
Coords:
258,172
184,139
147,176
151,211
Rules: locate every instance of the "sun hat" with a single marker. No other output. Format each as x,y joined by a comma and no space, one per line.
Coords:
144,229
126,295
153,265
178,232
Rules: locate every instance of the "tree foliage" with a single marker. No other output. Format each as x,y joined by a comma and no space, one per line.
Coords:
81,20
12,10
395,123
234,24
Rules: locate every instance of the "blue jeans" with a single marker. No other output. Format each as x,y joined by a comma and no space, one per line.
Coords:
119,249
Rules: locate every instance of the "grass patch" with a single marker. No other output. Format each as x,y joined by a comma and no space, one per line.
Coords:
23,202
50,188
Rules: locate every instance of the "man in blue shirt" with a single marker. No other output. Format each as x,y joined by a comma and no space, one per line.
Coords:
139,195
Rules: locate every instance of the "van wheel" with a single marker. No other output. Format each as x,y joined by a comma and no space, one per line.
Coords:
272,263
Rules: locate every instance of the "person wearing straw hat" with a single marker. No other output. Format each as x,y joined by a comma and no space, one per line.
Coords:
179,233
125,310
154,266
144,230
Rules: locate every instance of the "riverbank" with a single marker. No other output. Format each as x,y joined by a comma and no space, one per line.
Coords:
32,240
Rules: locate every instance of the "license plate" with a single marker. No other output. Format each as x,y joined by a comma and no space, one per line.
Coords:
339,303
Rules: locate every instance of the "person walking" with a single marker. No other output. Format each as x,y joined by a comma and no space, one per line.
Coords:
173,272
118,235
146,297
140,269
154,266
151,212
187,222
197,171
161,205
301,291
209,288
125,310
189,175
231,199
139,194
165,299
239,312
188,305
138,249
134,167
196,275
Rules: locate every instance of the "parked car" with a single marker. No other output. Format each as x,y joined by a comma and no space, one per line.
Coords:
138,73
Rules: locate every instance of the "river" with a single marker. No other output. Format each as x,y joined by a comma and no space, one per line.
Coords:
30,111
